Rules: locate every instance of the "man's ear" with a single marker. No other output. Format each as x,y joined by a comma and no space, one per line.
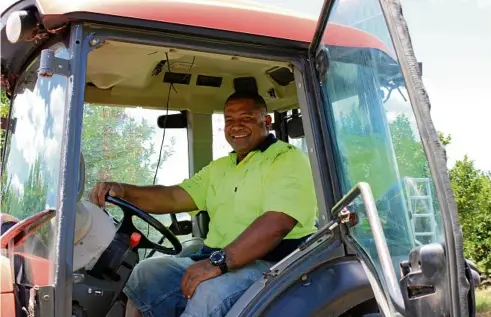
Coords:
268,120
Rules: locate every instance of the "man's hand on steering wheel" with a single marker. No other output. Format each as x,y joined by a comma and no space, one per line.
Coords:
113,192
98,194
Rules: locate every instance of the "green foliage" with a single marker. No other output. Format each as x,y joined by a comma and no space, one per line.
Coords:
410,154
117,147
4,104
444,139
472,191
365,153
4,111
35,194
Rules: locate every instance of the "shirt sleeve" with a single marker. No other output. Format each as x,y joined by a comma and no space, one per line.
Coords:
197,187
289,187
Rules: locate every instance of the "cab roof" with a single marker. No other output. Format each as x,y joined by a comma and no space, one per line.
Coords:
226,15
235,16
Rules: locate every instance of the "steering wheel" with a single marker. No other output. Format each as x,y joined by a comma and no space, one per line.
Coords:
127,226
25,228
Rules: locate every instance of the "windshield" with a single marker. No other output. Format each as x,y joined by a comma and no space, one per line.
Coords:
32,161
377,141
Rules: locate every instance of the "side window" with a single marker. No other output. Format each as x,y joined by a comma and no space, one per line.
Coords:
376,138
123,145
221,147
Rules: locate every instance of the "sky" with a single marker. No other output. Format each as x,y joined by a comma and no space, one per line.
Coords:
452,39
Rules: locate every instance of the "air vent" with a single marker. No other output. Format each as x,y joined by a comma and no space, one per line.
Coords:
245,84
209,81
177,78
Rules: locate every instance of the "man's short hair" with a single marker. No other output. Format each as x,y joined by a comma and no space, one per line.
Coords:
259,101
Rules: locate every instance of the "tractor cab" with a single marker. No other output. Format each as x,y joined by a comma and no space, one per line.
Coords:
134,91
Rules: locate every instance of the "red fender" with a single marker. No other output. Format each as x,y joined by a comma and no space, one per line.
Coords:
7,299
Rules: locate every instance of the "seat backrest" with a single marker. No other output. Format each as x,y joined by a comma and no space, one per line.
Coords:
295,127
201,224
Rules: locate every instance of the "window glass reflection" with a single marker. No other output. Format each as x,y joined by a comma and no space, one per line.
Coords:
33,149
377,139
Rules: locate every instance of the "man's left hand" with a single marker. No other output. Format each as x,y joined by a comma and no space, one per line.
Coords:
197,273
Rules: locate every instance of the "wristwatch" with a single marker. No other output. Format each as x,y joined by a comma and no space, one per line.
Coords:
219,259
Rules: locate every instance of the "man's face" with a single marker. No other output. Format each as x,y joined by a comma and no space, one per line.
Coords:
245,125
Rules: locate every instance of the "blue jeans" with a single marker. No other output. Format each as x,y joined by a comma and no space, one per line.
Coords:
155,288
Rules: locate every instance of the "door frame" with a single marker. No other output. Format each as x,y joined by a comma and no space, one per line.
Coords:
434,151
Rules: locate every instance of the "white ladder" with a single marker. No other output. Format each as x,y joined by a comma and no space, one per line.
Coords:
420,204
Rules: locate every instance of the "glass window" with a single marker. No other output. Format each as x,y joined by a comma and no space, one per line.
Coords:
221,147
377,140
32,161
122,144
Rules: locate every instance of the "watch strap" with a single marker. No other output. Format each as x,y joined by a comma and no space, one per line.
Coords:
223,267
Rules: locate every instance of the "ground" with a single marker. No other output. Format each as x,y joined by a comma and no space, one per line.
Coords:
483,302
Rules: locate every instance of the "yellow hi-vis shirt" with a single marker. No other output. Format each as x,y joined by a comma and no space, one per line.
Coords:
274,177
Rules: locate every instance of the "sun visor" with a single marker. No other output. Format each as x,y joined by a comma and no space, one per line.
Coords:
94,231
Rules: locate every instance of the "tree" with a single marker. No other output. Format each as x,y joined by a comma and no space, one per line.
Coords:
472,191
444,139
409,151
4,110
117,147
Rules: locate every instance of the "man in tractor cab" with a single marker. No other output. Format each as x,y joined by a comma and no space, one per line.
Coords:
262,205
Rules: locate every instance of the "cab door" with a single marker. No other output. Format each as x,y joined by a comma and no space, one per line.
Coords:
378,114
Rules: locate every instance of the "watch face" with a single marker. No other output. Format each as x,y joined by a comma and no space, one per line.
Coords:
217,257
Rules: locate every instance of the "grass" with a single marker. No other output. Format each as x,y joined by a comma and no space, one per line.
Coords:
483,302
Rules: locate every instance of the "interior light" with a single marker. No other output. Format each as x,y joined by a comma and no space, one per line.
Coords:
20,25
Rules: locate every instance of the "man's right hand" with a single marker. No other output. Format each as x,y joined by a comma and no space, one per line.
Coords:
155,199
101,189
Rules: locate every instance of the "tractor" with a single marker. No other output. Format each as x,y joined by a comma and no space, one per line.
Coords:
348,91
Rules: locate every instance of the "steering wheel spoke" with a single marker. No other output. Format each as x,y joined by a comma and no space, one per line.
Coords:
145,243
128,227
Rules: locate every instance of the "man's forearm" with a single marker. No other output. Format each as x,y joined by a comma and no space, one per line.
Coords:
261,237
158,199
